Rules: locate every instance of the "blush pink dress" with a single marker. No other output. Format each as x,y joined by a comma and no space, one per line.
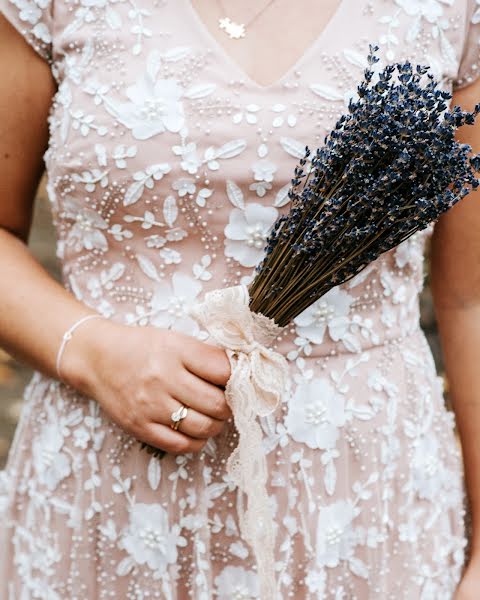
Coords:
167,166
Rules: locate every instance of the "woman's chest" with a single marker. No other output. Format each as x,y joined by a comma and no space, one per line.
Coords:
159,137
153,73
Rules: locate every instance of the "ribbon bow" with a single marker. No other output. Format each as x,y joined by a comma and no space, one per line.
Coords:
259,378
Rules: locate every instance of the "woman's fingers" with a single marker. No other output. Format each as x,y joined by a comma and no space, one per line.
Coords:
206,361
140,389
173,442
204,397
199,426
195,424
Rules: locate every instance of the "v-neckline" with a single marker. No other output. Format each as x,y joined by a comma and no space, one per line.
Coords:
213,42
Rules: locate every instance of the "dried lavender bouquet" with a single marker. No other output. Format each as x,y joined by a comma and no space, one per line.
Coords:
389,168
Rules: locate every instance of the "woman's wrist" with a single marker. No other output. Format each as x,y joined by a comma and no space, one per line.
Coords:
80,357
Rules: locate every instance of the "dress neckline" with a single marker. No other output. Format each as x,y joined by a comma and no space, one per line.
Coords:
235,66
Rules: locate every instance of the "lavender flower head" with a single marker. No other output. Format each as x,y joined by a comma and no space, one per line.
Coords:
390,167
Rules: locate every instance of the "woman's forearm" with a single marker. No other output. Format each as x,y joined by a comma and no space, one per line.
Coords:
455,262
460,334
35,312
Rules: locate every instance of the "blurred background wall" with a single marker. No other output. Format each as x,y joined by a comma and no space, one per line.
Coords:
14,376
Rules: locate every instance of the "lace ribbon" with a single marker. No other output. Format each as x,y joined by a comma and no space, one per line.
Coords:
259,378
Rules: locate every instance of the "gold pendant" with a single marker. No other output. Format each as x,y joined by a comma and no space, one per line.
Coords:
234,30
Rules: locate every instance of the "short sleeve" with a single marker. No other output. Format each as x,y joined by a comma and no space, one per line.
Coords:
469,68
33,20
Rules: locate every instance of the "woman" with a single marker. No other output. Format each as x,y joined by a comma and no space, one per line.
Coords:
172,140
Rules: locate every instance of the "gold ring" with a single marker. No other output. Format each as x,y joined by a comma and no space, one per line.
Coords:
177,416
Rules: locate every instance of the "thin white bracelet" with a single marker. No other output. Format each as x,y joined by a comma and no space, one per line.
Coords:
67,336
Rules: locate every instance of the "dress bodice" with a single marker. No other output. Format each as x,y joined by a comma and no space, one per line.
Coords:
168,165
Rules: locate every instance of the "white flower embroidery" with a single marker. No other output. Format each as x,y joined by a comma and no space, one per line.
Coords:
92,87
81,437
247,231
431,10
236,583
31,12
184,186
119,234
153,107
410,252
87,229
91,178
51,464
200,270
106,280
428,471
148,538
190,160
378,383
263,172
316,581
96,3
170,256
279,119
170,304
249,114
35,556
335,536
330,311
315,412
41,32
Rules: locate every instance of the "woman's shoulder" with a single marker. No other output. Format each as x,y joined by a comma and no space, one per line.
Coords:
444,34
33,19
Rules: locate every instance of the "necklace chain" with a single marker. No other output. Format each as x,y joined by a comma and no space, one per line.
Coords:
236,30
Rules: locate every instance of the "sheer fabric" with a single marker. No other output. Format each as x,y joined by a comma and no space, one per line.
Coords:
167,167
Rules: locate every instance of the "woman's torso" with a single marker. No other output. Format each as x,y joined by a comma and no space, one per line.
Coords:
167,166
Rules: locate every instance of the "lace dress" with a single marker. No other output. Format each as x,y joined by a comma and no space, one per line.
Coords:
167,166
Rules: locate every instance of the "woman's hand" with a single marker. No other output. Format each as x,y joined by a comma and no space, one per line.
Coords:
140,375
469,587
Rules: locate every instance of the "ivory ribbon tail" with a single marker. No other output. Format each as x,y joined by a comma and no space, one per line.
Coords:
259,379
